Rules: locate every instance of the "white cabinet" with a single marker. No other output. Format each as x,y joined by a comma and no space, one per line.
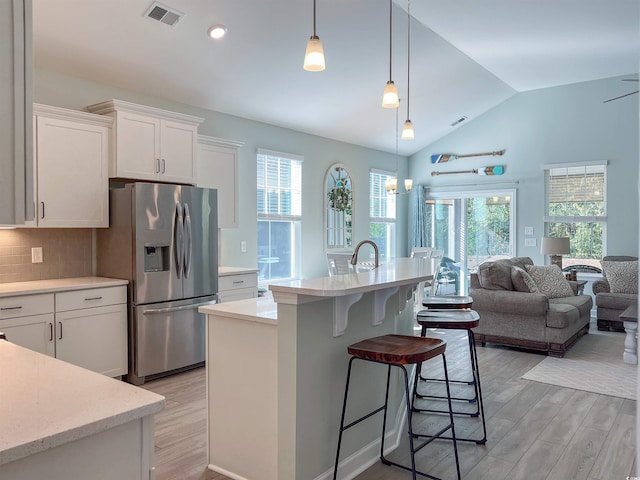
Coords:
72,155
85,327
151,144
28,321
237,286
218,168
16,178
91,329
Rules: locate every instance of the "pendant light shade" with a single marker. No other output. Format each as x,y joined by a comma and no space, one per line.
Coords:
407,130
390,97
314,56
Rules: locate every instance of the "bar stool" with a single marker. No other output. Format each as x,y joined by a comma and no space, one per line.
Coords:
454,313
398,351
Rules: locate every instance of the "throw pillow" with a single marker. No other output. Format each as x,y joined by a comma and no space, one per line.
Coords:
522,281
550,281
521,262
622,276
495,276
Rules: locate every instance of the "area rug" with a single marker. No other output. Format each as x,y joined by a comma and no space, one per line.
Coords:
593,364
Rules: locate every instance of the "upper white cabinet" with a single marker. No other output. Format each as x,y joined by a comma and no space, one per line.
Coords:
16,165
151,144
71,162
218,168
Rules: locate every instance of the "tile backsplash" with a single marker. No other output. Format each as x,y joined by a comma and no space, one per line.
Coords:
66,252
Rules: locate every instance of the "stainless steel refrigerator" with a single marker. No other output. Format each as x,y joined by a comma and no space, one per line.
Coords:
163,239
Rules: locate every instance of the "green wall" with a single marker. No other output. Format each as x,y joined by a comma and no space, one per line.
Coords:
553,125
319,153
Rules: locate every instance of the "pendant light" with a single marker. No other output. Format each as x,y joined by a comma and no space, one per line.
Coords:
314,56
391,184
407,129
390,96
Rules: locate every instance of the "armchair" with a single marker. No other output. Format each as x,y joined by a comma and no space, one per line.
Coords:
611,304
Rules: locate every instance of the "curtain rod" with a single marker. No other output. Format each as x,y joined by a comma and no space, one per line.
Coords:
427,187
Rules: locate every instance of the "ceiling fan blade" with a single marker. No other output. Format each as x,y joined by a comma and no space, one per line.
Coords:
630,80
621,96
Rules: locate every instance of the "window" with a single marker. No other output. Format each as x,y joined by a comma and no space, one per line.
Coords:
575,207
279,203
382,214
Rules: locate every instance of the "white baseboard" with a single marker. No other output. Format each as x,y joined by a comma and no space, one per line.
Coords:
226,473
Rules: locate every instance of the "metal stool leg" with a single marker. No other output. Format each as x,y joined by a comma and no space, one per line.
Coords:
409,406
473,353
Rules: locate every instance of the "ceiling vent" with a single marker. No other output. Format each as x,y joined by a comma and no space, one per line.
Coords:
162,13
459,121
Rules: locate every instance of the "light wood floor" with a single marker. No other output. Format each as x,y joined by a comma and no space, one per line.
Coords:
535,431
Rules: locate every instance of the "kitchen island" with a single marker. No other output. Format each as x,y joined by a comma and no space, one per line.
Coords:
276,371
62,422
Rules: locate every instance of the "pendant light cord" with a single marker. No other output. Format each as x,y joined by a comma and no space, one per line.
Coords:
408,51
390,31
314,18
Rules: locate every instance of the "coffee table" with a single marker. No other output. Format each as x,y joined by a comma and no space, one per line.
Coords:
630,322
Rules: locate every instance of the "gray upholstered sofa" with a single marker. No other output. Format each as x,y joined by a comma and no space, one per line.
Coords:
611,304
511,314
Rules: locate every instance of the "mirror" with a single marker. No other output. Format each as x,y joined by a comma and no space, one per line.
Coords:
338,207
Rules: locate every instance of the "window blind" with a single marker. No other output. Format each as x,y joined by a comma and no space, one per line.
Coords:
279,187
575,193
382,206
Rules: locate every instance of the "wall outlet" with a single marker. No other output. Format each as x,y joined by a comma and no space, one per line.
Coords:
530,242
36,255
243,246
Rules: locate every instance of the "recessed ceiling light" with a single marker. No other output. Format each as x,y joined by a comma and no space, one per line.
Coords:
217,31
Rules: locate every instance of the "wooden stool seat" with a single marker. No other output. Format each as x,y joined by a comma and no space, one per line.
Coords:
448,319
398,349
445,302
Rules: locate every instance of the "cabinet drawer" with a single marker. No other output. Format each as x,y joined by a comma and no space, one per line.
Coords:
93,297
238,294
25,305
233,282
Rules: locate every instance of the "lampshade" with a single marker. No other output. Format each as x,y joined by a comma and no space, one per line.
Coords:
390,97
314,56
407,131
555,245
408,184
391,185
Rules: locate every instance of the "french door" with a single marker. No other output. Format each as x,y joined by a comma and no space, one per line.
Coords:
470,228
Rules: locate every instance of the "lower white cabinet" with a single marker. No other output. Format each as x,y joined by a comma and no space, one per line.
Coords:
85,327
237,286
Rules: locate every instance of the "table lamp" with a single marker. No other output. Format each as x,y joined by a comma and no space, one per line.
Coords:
555,247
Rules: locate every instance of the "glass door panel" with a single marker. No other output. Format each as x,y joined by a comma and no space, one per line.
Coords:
470,229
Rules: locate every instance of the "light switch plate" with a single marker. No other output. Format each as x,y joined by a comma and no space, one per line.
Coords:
528,231
530,242
243,246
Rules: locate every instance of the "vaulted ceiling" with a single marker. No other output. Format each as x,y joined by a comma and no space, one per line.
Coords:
467,56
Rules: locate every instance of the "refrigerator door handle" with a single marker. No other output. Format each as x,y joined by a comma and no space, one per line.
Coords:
179,240
148,311
188,242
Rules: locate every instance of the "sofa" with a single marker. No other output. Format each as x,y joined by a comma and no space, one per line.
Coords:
611,302
528,306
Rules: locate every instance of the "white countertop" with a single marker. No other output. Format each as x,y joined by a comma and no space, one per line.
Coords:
46,402
395,272
55,285
260,310
223,271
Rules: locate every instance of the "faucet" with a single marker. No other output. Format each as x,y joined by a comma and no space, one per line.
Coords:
354,257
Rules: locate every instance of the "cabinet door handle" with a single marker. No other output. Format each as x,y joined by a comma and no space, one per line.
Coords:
11,308
163,165
93,298
42,206
60,325
238,281
157,165
50,331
